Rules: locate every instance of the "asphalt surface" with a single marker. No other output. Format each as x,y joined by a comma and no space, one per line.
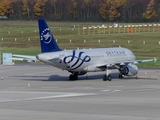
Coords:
34,91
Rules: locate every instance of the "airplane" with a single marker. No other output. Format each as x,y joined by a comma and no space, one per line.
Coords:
80,61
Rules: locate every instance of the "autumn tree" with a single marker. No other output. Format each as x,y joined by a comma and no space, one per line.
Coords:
6,8
111,9
25,8
9,8
103,11
82,10
39,8
3,7
114,8
150,11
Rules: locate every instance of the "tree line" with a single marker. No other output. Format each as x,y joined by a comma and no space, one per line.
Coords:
82,10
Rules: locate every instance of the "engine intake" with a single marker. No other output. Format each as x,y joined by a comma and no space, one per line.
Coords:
129,70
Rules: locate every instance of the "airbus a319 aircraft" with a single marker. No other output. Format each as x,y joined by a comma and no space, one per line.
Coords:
81,61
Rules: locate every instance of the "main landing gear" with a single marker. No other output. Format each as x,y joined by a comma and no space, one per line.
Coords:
107,76
73,77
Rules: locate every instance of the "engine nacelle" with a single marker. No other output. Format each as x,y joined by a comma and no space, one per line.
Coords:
129,70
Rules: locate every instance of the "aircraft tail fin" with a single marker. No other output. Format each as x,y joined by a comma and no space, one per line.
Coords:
47,41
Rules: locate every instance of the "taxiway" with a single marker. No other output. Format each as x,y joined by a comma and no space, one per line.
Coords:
34,91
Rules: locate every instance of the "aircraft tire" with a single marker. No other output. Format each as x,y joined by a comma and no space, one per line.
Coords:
104,78
109,77
73,77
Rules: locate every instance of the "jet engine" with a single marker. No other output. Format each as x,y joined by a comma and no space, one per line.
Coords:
129,70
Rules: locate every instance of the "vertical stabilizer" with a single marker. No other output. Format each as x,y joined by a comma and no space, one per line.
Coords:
47,41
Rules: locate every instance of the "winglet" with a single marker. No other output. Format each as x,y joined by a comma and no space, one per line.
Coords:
155,59
48,43
148,60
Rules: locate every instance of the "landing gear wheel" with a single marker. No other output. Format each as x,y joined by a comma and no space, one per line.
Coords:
105,78
109,78
73,77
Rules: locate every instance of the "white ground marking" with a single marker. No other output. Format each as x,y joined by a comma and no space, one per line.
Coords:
108,90
117,90
60,96
20,68
105,90
6,95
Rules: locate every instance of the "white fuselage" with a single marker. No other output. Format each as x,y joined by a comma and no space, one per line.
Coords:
86,59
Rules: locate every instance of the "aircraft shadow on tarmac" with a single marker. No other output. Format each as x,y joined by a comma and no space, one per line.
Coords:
84,77
57,78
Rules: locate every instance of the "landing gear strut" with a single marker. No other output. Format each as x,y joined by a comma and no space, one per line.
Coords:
73,77
120,74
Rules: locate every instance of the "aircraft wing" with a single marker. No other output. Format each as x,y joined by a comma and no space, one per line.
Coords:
24,57
115,64
148,60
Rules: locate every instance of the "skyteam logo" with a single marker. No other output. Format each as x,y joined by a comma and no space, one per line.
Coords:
46,36
75,61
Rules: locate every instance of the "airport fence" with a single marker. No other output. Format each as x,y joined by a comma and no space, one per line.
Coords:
118,28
